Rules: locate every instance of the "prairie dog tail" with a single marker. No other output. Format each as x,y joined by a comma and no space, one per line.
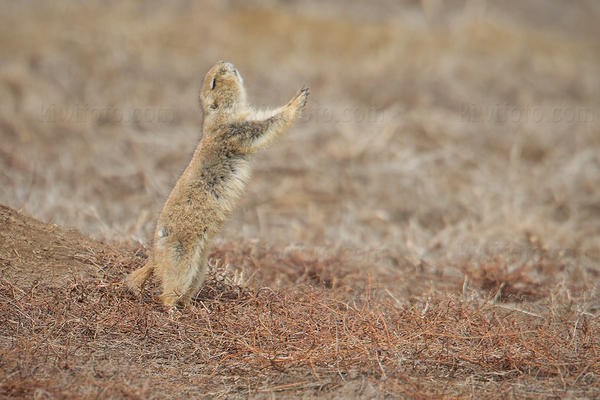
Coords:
136,279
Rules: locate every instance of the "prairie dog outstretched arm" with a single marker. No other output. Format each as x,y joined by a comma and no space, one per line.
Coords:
254,135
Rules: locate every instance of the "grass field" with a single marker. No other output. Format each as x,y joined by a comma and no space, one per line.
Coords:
429,229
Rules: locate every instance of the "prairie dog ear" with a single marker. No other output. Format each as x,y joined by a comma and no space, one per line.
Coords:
237,73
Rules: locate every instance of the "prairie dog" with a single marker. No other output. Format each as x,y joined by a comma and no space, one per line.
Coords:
209,188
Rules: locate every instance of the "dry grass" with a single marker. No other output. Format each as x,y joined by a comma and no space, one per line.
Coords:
289,322
89,338
448,162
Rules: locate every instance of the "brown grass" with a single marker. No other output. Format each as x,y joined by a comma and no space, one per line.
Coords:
85,337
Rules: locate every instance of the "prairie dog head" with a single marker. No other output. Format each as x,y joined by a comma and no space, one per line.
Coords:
223,89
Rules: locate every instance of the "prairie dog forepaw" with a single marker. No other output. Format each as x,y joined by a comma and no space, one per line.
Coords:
300,98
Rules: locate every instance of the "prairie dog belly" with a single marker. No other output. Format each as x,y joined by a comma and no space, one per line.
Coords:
202,201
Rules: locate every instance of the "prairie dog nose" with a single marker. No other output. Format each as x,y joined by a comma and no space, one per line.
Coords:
228,66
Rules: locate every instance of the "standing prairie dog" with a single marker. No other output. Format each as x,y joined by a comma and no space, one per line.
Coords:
210,186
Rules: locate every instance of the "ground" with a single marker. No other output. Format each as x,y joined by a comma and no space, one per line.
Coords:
429,229
284,323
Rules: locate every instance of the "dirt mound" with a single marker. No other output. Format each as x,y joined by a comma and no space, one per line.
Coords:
33,252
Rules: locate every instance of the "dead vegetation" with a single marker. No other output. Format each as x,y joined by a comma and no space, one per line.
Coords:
429,230
302,334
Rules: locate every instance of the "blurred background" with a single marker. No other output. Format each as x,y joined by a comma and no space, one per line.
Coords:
436,130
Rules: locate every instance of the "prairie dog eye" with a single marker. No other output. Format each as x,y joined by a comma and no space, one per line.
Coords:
212,84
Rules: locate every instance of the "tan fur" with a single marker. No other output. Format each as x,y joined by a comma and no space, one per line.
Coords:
210,186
